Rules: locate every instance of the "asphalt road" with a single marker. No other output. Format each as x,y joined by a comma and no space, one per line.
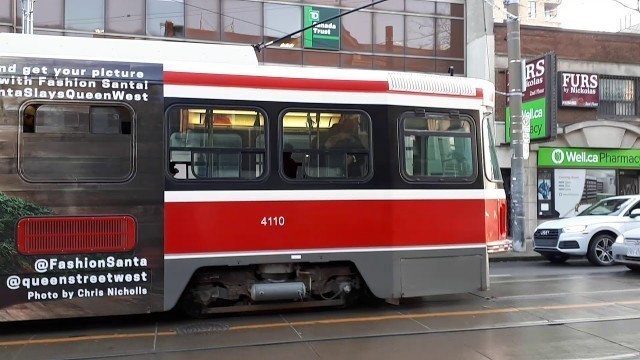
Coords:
534,310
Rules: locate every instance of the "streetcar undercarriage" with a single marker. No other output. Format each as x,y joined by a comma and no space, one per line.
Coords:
271,287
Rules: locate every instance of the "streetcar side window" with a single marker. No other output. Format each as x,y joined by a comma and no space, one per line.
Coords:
208,143
492,167
325,145
76,143
438,147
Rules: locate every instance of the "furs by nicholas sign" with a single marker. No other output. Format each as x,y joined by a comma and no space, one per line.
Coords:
579,90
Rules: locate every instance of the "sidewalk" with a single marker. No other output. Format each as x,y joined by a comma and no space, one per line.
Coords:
517,256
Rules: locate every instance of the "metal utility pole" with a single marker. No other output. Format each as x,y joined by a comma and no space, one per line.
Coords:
517,134
27,16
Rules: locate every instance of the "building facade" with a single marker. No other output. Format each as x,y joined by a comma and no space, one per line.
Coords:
597,149
399,35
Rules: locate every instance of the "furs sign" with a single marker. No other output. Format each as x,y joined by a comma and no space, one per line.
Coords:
539,102
579,90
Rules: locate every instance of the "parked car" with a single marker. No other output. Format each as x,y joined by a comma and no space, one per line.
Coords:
626,249
591,233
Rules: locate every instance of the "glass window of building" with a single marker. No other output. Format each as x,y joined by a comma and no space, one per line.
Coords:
438,147
49,14
449,9
421,35
617,97
532,9
392,5
208,143
85,15
389,33
390,63
420,7
202,19
242,21
275,27
165,18
126,17
5,10
356,33
325,145
323,2
450,38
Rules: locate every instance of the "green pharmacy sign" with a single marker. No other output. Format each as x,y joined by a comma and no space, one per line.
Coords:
539,102
325,36
589,158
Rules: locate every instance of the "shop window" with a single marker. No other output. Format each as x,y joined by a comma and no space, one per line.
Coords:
326,145
207,143
125,16
76,143
84,15
617,97
437,147
202,19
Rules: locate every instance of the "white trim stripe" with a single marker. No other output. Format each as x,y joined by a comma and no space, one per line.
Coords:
321,251
325,97
328,195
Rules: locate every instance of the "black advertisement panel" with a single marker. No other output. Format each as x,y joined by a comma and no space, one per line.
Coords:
81,190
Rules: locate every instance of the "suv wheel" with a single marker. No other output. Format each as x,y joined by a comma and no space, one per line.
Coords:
557,258
599,252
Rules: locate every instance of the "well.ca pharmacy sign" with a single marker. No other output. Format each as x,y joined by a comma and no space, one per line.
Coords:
588,158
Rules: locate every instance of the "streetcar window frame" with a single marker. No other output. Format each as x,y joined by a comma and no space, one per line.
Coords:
326,179
439,179
169,164
86,131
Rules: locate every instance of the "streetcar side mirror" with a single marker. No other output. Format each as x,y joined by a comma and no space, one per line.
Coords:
634,213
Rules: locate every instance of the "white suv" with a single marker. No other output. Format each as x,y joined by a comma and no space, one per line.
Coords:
591,233
626,250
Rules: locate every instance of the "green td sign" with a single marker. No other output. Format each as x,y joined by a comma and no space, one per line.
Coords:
589,158
325,36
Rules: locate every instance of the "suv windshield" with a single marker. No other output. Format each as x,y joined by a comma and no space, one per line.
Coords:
606,207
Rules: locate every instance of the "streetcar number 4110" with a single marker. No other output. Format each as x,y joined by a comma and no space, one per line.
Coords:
272,221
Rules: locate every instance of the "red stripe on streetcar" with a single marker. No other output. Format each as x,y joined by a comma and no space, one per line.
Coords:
267,82
210,227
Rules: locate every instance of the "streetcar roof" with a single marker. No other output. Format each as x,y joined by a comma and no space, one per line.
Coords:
193,57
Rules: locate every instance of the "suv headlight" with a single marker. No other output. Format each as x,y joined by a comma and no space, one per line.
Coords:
575,229
620,239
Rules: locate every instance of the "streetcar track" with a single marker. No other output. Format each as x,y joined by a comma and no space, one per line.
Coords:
294,341
351,320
